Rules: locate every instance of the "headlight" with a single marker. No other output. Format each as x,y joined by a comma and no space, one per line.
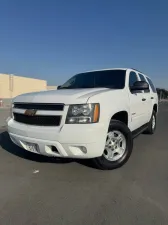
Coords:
87,113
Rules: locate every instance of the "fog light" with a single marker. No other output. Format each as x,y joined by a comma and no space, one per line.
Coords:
54,149
83,149
78,150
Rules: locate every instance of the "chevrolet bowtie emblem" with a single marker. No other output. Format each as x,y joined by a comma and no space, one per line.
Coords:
30,112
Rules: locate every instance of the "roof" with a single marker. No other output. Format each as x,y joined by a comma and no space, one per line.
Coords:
106,69
114,69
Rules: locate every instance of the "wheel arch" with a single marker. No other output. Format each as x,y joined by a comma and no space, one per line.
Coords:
155,108
121,116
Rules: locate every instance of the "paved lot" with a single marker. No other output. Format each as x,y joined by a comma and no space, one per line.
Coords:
4,113
40,191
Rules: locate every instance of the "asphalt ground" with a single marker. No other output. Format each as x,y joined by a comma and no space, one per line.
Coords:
4,113
36,190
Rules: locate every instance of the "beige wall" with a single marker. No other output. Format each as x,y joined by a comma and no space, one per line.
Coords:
19,85
51,88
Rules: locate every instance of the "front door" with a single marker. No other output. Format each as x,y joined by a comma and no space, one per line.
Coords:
137,102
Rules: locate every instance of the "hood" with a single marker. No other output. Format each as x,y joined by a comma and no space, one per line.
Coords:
66,96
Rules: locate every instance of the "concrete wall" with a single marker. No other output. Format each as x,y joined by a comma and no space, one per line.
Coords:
11,86
4,86
51,88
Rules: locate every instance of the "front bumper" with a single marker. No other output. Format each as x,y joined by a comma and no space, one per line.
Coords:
70,140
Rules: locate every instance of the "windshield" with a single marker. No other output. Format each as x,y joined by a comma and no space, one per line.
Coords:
97,79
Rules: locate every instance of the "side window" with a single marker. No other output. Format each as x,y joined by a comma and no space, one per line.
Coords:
132,78
143,79
151,84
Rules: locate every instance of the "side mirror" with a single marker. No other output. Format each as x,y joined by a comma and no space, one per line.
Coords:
140,86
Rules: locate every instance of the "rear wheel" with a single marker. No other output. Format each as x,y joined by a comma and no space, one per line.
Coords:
118,147
152,124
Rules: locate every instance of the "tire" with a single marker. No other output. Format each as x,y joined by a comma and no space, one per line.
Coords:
108,164
151,129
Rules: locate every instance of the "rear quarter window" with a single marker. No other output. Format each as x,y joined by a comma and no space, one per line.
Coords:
151,85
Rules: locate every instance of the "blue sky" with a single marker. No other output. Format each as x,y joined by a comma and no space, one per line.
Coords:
54,39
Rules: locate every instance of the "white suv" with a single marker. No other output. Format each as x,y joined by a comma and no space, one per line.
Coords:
93,115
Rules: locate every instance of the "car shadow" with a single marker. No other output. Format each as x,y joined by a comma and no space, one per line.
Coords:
7,145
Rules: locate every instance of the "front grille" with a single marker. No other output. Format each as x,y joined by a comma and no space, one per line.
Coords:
37,120
40,106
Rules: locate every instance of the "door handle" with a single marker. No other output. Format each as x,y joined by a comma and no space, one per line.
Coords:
152,97
144,99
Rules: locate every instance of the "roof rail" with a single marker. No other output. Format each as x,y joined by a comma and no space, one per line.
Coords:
136,70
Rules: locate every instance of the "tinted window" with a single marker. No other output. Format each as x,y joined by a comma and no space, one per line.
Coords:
132,79
151,84
113,78
107,78
79,81
143,79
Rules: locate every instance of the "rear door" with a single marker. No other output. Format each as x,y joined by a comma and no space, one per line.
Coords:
153,94
148,105
137,109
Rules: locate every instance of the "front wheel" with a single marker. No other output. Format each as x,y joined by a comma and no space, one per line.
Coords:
118,147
